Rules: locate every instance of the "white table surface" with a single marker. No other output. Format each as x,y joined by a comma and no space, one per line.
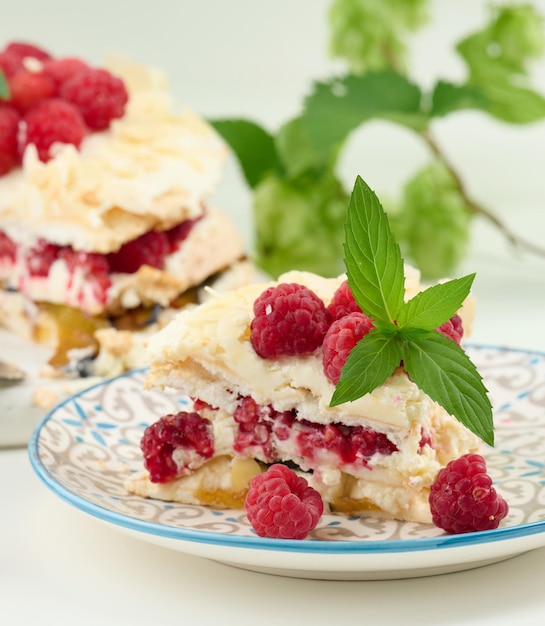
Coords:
60,566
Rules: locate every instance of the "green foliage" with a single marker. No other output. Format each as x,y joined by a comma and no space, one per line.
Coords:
435,363
298,196
370,34
435,220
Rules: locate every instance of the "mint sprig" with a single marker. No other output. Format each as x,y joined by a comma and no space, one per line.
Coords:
405,331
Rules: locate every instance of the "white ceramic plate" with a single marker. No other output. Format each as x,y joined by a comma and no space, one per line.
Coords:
85,448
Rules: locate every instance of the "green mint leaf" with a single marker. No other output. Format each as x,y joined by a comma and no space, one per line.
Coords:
369,364
337,107
372,256
446,374
435,305
4,87
253,146
448,98
286,211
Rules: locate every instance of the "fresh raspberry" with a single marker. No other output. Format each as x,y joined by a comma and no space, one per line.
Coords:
21,50
10,65
100,96
40,257
281,505
148,249
343,302
188,434
62,70
289,319
9,130
453,329
29,88
339,340
53,121
8,249
462,498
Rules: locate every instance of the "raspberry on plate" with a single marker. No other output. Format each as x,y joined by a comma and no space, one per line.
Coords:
289,319
281,505
343,302
339,340
462,498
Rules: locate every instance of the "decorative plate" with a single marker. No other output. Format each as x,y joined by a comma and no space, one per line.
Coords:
86,447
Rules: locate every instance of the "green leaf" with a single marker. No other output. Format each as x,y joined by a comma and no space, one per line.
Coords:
513,104
448,98
372,256
433,306
285,213
337,107
4,87
446,374
369,364
295,149
253,146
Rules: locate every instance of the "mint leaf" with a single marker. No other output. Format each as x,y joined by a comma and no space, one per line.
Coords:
372,256
433,306
337,107
4,87
446,374
253,146
369,364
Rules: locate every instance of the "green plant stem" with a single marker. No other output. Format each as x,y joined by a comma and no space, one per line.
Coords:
475,207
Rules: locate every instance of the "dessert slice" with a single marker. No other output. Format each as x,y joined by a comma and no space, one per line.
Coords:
262,388
105,214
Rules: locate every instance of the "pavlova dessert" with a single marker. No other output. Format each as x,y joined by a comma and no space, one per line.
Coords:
106,226
351,394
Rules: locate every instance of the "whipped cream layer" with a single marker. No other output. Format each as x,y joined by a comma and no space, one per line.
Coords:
151,169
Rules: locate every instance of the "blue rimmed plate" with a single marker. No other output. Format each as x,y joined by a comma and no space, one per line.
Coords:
87,446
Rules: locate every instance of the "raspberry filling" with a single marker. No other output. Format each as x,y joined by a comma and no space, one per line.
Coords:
151,248
174,444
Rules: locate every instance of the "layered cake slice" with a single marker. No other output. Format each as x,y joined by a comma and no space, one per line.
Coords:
261,364
106,222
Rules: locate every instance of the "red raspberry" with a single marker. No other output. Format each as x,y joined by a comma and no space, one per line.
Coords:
281,505
339,340
289,319
53,121
21,50
10,65
9,130
61,70
148,249
100,96
29,88
343,302
40,257
181,432
8,249
462,498
453,329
